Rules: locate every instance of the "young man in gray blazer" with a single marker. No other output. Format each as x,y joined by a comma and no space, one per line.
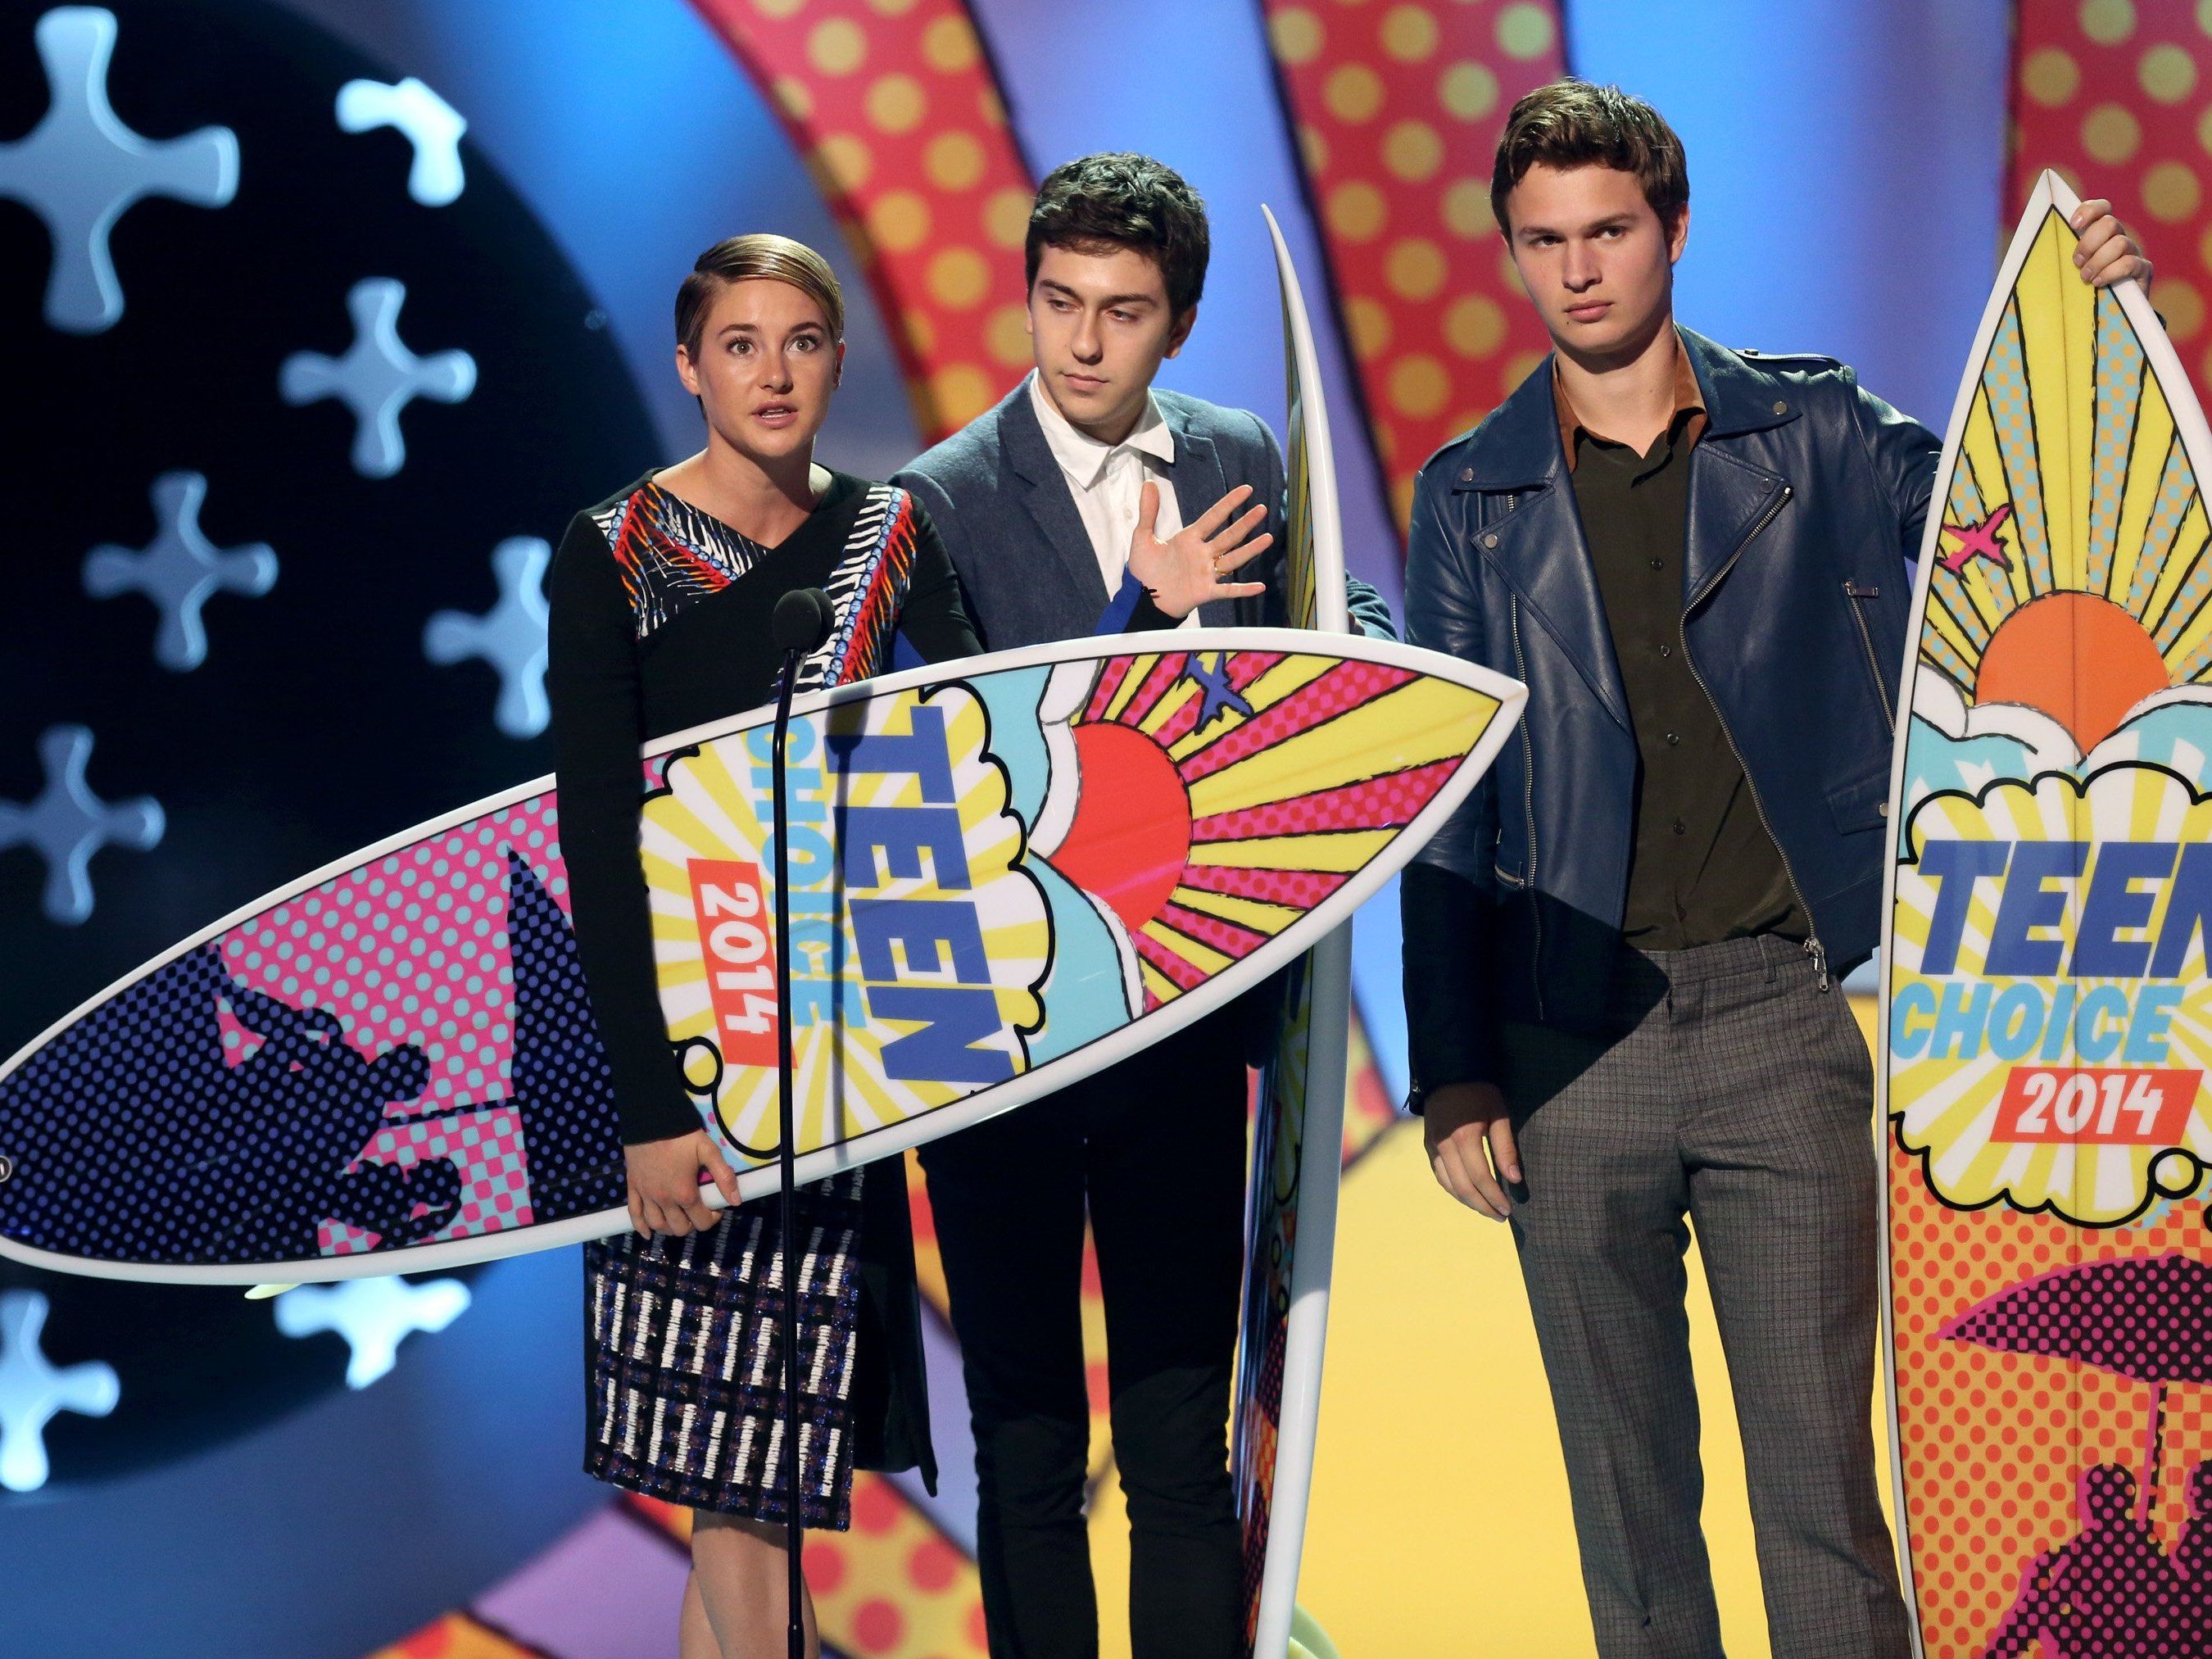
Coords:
1088,502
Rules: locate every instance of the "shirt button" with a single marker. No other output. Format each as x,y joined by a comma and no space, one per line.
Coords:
1680,828
1658,564
1674,738
1666,650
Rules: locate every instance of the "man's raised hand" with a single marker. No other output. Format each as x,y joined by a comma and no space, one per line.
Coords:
1186,571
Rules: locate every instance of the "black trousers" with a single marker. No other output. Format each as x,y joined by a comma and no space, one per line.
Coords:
1155,1146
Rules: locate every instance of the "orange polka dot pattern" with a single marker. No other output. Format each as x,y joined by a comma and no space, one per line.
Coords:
1397,109
1993,1442
897,113
2116,96
891,1588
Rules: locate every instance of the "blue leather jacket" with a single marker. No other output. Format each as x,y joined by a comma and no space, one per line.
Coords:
1806,497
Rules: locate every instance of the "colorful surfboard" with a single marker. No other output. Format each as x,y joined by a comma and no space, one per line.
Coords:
2047,1021
1005,873
1291,1208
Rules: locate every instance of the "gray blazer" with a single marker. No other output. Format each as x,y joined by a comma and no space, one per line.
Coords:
1007,516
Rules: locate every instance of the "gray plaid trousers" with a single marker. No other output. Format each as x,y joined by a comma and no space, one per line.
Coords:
1732,1095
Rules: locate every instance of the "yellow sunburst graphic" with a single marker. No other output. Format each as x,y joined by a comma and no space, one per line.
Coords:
2050,1021
918,950
2070,572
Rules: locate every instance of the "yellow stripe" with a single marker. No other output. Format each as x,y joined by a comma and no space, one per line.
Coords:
1204,957
1263,694
1990,591
2180,563
1420,722
1139,670
1336,851
1158,982
1163,711
1255,914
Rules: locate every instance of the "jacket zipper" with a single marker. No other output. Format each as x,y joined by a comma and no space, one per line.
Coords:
1529,806
1814,948
1852,594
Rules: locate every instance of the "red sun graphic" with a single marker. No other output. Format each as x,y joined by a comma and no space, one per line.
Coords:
1131,835
2076,657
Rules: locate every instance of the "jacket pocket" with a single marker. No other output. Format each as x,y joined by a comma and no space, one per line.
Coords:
1862,803
1859,598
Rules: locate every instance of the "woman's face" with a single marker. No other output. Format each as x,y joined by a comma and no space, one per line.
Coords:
765,368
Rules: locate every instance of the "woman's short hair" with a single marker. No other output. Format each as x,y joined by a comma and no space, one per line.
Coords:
762,256
1573,124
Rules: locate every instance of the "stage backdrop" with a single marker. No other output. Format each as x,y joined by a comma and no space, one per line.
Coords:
387,298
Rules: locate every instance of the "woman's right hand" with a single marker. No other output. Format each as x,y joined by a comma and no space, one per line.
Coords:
665,1193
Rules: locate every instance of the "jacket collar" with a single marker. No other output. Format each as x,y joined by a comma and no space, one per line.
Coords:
1740,396
1520,447
1083,457
1539,546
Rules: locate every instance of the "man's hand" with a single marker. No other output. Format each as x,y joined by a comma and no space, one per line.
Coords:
1185,571
664,1194
2107,254
1470,1140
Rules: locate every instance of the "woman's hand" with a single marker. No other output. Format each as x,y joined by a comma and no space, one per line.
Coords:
665,1193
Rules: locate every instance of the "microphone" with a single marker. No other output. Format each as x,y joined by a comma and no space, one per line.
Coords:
802,620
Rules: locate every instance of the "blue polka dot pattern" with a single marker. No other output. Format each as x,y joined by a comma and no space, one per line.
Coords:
135,1137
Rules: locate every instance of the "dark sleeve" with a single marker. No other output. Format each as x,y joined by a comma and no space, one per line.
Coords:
1904,455
598,729
1448,894
934,618
1131,611
1370,611
1272,566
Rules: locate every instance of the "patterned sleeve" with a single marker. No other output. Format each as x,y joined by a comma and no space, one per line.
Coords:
598,731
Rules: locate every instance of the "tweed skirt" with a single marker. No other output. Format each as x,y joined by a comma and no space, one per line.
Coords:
684,1359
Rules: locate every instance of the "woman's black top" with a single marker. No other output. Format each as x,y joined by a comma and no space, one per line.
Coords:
660,621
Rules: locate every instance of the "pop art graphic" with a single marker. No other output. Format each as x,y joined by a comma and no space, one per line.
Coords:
1004,874
2048,1021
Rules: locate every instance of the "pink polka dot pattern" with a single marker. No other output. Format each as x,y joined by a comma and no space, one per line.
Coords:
411,948
486,1147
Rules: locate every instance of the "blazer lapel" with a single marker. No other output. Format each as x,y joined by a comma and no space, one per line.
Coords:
1051,504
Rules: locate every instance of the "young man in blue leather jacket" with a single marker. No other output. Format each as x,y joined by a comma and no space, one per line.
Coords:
1621,954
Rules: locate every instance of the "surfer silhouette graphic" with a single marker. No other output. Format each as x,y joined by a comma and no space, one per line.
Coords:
2108,1592
306,1091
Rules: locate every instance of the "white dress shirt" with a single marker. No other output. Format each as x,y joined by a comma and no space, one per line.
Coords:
1108,480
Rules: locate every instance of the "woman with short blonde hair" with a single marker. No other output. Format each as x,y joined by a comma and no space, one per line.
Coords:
660,602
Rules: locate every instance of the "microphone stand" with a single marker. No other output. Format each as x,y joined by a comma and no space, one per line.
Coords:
795,1578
